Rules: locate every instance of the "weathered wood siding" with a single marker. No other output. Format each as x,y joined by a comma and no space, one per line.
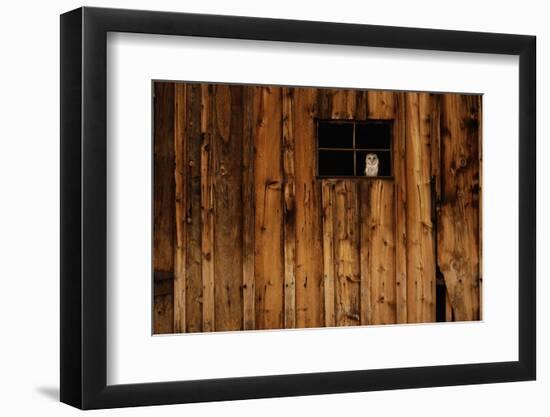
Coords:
247,237
310,310
163,209
268,197
459,218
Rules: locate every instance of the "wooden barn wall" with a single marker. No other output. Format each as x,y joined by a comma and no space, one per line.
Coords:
246,236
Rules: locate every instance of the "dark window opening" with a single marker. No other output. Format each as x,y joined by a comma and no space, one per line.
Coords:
354,148
336,163
335,135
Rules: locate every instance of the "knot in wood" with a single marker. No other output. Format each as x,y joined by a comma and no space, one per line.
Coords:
273,184
455,264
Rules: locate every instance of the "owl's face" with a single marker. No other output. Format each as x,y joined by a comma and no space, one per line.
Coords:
371,159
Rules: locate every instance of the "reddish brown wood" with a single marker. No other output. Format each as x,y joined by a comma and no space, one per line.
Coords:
309,268
163,203
379,250
346,247
207,208
329,255
269,258
180,177
247,237
458,222
289,207
420,241
399,134
227,188
249,291
381,104
190,222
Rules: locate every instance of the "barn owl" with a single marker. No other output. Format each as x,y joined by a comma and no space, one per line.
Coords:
371,165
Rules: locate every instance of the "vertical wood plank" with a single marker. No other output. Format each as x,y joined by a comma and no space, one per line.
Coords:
400,205
268,260
441,290
343,104
348,275
192,209
435,117
292,251
380,250
163,309
309,269
164,207
180,214
227,187
365,252
248,208
458,258
207,207
348,278
329,271
420,244
383,221
479,103
289,211
381,104
361,104
323,100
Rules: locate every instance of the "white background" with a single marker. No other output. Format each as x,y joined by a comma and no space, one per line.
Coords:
29,176
134,60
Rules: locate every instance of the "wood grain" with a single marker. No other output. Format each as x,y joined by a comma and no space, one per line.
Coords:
207,208
289,207
163,203
379,249
268,259
249,291
343,104
163,312
420,242
383,222
381,104
399,146
329,256
180,177
478,105
190,163
227,187
365,253
346,232
309,252
346,247
247,237
458,222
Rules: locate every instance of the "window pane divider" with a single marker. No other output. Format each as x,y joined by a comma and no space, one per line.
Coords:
353,149
354,153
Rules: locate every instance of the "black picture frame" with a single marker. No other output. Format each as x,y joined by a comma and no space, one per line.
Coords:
84,207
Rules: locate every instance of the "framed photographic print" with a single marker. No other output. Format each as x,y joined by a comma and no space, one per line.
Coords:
257,207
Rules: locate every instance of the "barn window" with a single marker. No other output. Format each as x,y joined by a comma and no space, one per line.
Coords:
345,147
